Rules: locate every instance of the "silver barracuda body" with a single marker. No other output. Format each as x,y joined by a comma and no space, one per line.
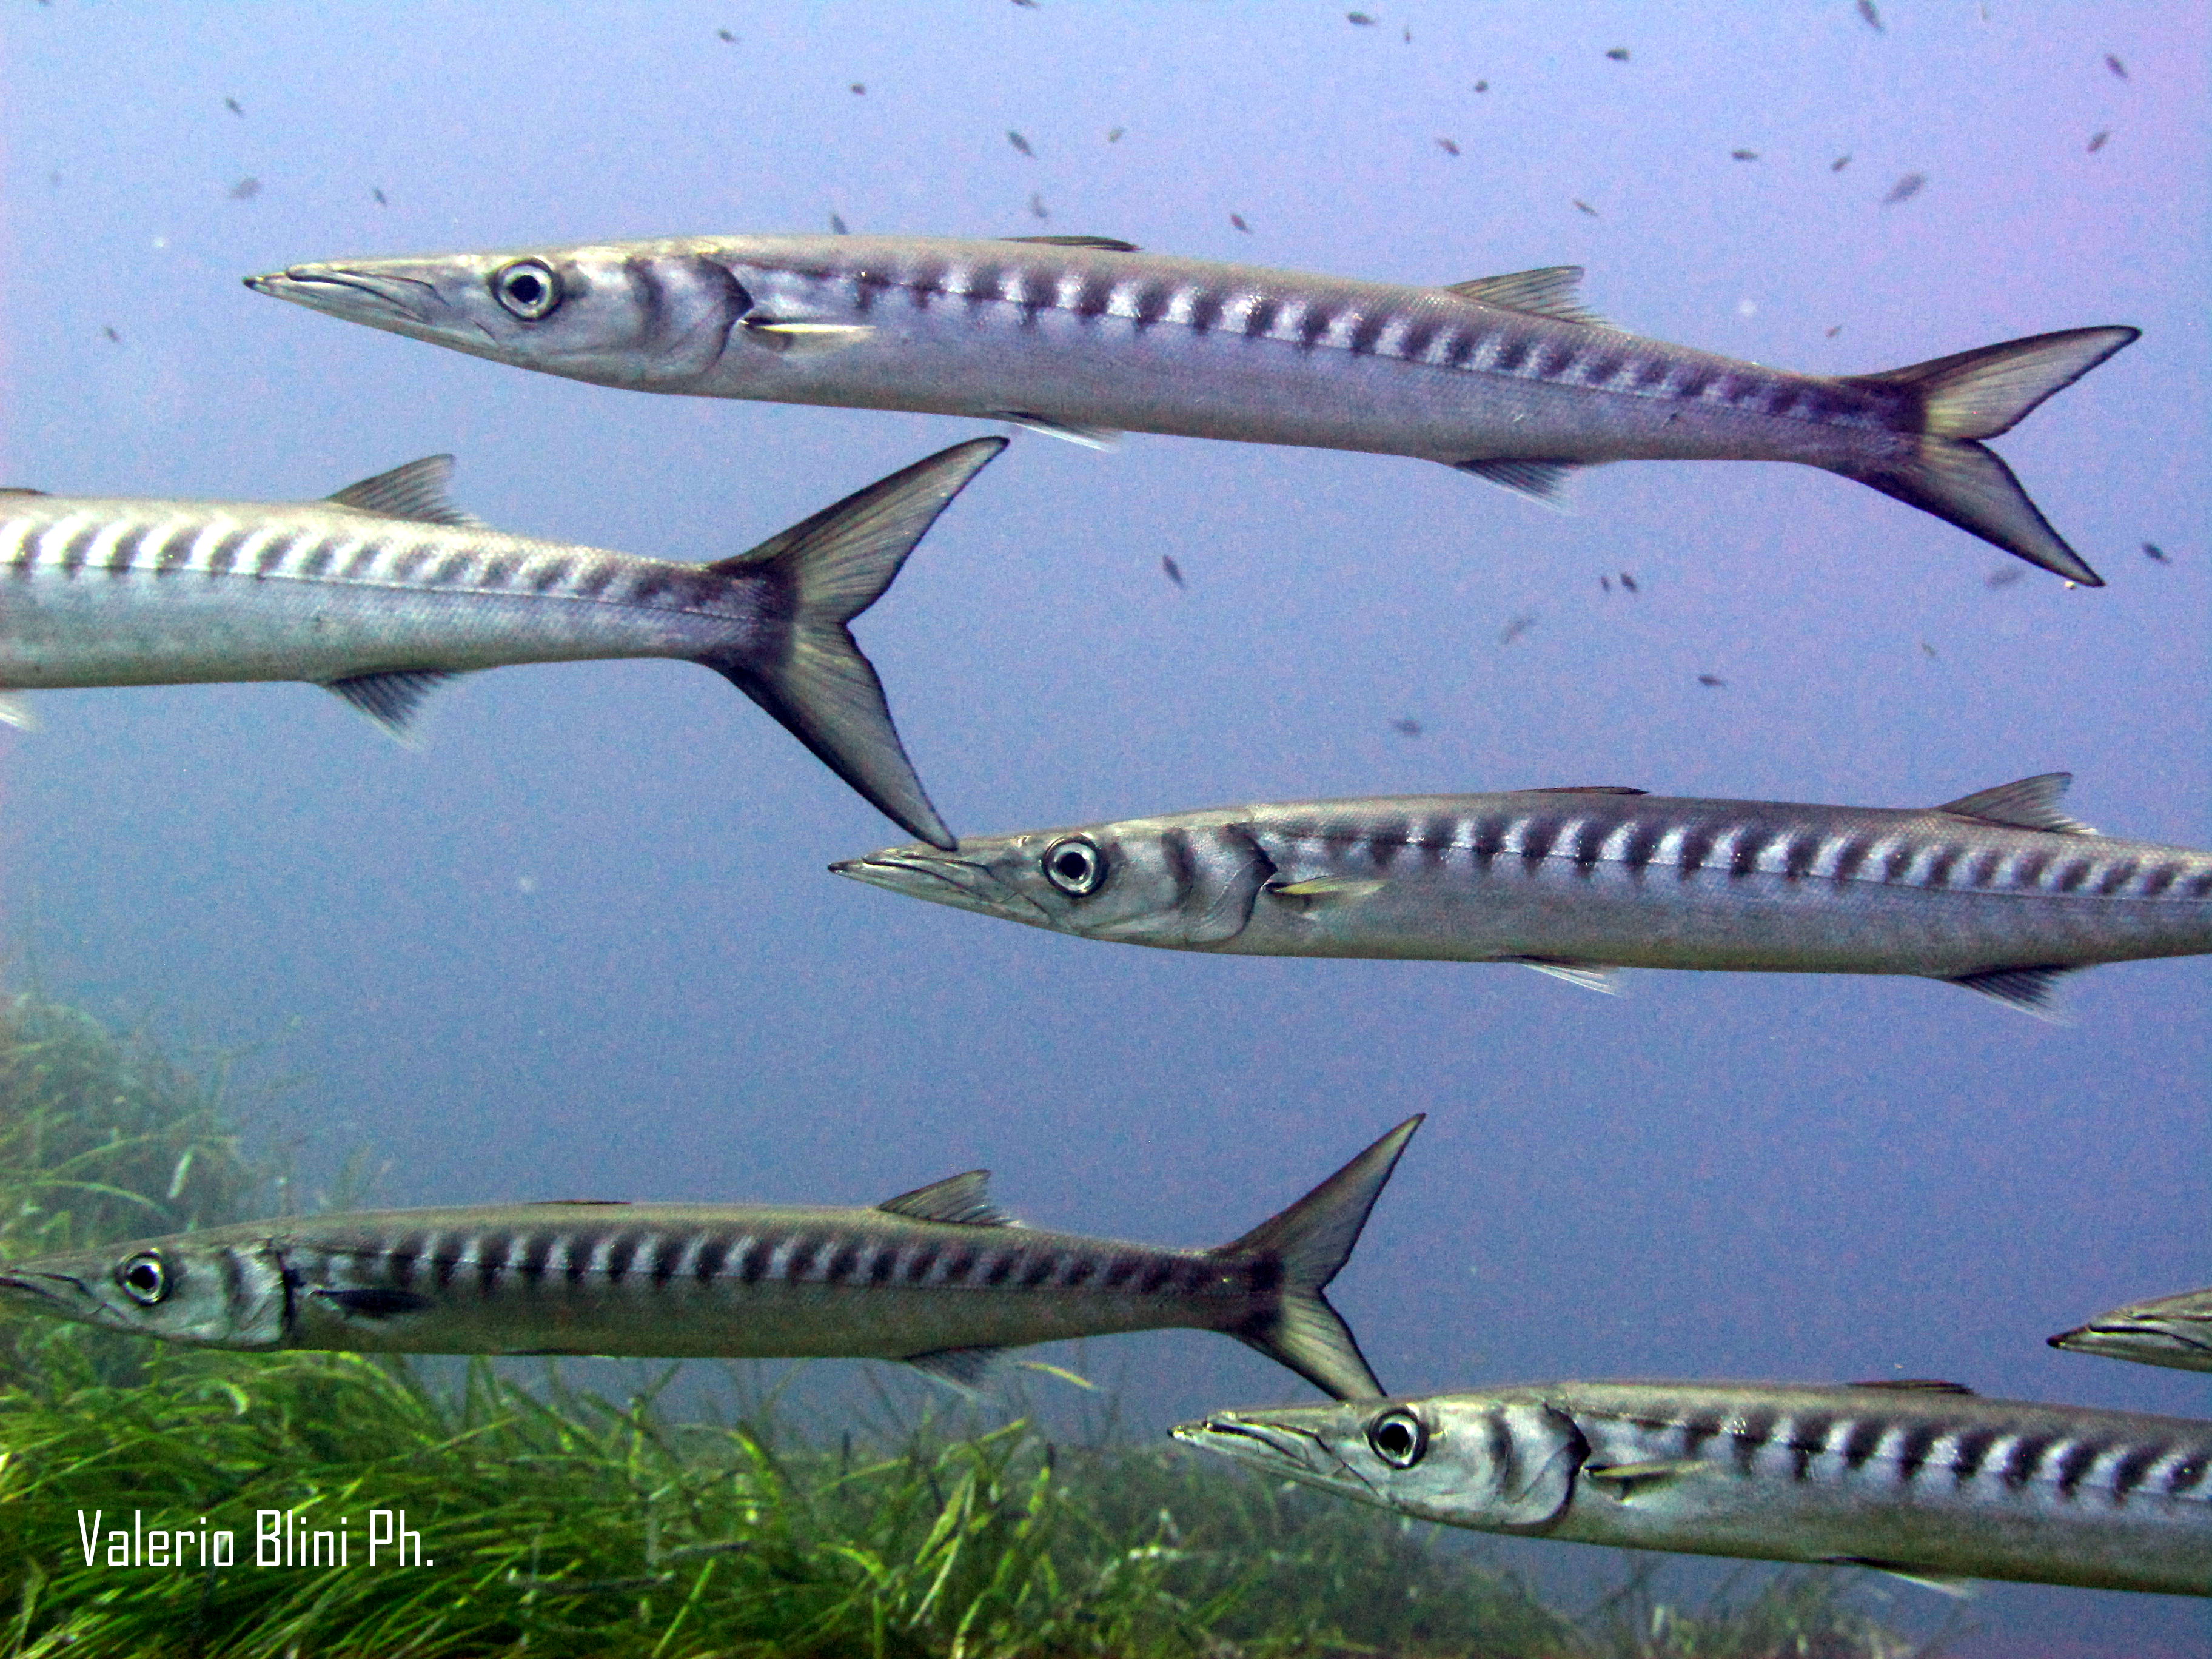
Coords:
385,589
1508,378
1999,890
2171,1330
936,1277
1924,1479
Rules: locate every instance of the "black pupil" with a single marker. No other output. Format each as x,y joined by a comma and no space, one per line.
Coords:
144,1276
527,288
1072,866
1394,1439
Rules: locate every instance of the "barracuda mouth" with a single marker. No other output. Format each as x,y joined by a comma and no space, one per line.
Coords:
403,305
1289,1452
19,1285
942,879
2142,1342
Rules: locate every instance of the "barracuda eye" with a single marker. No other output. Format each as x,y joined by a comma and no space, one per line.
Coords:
528,288
144,1279
1399,1438
1075,867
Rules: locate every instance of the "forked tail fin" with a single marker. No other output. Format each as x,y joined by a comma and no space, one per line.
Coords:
1977,395
1310,1241
808,672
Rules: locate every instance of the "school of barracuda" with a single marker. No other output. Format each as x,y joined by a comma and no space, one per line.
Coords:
385,589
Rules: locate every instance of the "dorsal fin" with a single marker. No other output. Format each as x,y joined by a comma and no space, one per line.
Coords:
584,1203
1915,1385
1584,789
1548,292
1111,244
962,1199
18,490
2023,804
415,491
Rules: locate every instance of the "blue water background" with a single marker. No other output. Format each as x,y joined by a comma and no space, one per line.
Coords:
582,944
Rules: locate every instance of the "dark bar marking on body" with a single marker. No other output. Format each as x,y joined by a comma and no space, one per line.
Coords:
923,1258
2074,1465
2161,878
753,1265
1465,341
1973,1451
1940,867
1697,848
1038,1271
2076,872
1753,841
1259,321
1982,870
844,1260
883,1264
1206,305
714,1252
451,571
2022,1461
549,575
1651,372
1803,853
1120,1271
652,296
1513,350
621,1252
1315,325
667,1257
2117,875
1537,836
597,579
224,554
961,1264
2132,1470
537,1251
1001,1268
2190,1471
1555,360
1862,1442
1754,1433
1367,331
1913,1450
492,1255
1421,334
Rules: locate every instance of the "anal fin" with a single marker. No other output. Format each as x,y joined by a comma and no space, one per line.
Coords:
2028,989
1540,481
1591,975
391,698
964,1368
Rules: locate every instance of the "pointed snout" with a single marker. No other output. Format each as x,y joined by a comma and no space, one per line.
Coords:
923,872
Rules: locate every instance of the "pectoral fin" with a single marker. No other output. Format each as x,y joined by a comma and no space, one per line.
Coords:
1326,889
804,339
378,1302
1629,1476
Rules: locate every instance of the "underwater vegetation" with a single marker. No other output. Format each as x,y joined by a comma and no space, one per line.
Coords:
557,1520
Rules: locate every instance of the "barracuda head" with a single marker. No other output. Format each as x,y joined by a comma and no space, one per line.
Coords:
1497,1463
649,316
181,1290
1184,883
2174,1331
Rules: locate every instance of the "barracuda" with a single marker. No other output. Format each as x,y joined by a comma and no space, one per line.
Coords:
1509,378
385,589
936,1277
1998,891
1924,1479
2172,1330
